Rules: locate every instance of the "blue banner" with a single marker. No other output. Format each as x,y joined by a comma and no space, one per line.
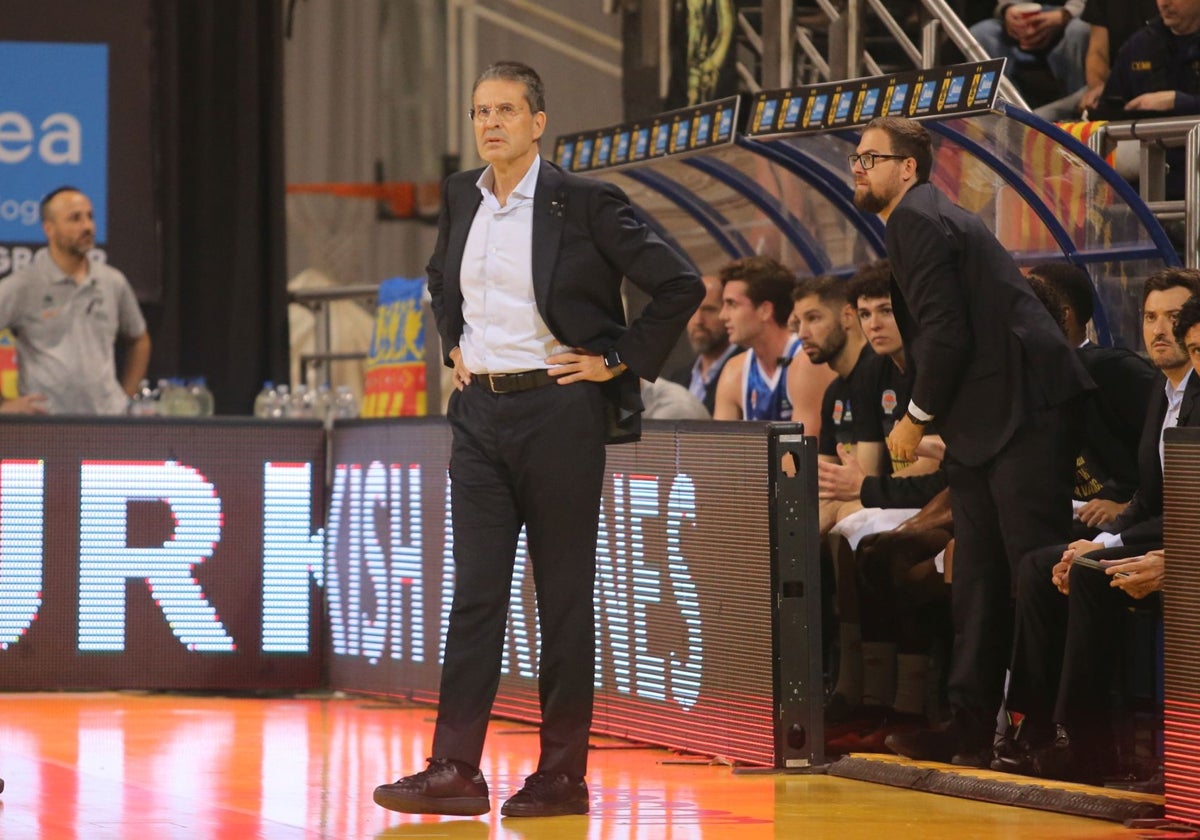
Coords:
53,131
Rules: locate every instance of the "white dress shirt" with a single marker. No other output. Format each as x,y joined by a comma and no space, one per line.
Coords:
1170,420
503,332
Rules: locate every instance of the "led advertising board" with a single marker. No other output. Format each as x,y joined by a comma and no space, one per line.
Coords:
160,554
683,591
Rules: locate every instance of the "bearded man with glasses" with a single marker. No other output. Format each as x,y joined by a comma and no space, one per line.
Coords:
998,377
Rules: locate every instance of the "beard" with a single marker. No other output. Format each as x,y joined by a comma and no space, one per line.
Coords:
824,353
704,341
867,201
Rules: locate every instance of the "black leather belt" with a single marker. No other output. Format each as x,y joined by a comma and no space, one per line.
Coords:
510,383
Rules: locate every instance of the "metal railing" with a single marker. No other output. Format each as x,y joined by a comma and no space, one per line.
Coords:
1155,136
317,302
848,57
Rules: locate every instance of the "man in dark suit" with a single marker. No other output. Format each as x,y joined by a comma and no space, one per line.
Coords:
997,375
526,287
1060,664
1106,472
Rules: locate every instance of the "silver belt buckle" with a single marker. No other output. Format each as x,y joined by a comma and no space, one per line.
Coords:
492,383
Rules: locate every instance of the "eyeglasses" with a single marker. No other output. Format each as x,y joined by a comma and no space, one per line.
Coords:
505,112
867,159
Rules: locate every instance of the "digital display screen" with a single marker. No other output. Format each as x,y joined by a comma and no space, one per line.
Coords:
725,123
791,116
566,155
602,156
585,153
684,653
984,89
662,136
160,554
642,145
817,106
870,101
896,103
845,100
925,95
703,129
622,148
682,132
954,92
766,118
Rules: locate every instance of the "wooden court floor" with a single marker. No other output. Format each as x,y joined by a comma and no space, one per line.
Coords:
133,766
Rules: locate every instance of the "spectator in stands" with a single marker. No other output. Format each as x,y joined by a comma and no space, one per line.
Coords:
1106,473
1112,23
710,342
773,380
67,313
1158,68
1061,660
1055,35
1157,71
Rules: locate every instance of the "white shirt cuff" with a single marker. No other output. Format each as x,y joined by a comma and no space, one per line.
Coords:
1108,540
923,416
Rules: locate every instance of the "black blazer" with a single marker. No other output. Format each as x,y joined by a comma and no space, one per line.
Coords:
1115,416
585,239
1142,522
986,354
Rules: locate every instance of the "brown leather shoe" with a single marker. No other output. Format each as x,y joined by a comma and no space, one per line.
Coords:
445,787
548,795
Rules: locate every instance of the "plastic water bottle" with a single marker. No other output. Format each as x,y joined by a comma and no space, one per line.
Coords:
179,401
345,405
166,397
265,400
323,403
299,404
144,402
198,389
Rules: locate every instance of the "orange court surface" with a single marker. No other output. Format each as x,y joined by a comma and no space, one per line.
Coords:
144,766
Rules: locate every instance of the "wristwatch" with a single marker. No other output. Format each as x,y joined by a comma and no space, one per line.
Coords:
612,361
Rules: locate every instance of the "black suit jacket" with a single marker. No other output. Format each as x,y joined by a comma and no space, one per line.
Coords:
1141,523
986,354
1115,416
585,239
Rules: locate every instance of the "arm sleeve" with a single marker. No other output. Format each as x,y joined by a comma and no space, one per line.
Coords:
132,322
434,276
827,442
674,286
887,491
924,263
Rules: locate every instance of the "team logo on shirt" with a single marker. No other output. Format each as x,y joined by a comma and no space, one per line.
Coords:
888,401
837,411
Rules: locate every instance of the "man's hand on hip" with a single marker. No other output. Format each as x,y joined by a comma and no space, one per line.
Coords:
581,365
462,376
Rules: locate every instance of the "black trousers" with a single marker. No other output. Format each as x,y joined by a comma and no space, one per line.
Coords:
533,458
1066,647
1004,508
